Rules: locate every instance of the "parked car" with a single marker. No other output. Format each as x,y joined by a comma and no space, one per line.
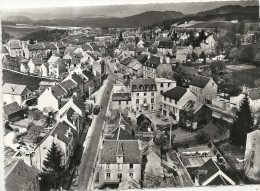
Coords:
96,110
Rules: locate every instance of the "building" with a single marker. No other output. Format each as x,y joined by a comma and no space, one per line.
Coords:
144,124
20,176
122,162
151,65
173,101
35,65
63,135
13,112
213,173
15,93
15,48
56,66
252,157
204,88
163,85
36,50
121,101
253,95
144,94
195,114
165,47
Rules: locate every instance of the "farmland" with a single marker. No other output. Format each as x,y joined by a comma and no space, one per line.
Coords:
17,32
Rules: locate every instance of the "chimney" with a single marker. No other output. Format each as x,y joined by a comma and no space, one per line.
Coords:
161,59
140,144
55,136
167,59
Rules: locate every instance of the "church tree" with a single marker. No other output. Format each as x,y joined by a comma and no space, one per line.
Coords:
243,123
54,169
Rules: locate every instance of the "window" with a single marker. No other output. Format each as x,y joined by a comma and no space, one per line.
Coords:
137,108
152,100
152,93
169,84
131,175
152,108
145,100
161,91
119,176
144,94
176,101
137,101
162,85
170,100
127,102
164,105
119,102
108,166
137,94
108,175
131,166
164,98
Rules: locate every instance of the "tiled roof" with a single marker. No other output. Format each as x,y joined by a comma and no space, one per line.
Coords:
69,50
37,61
200,81
79,103
130,149
121,134
14,44
15,89
87,47
50,46
61,130
68,85
142,58
88,74
144,81
193,106
121,97
254,93
77,78
175,93
210,168
154,60
12,108
20,177
4,50
142,118
120,120
58,91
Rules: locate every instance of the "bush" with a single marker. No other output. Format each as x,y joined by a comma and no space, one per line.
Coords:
202,137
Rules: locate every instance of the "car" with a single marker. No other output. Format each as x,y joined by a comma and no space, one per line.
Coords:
96,110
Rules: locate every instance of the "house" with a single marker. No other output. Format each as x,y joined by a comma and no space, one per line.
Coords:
15,48
144,94
44,69
36,50
63,135
204,88
173,101
144,123
35,65
15,93
13,112
120,133
164,68
211,41
53,95
87,58
163,85
134,67
165,47
121,101
150,66
213,173
122,162
182,54
4,52
56,66
88,48
252,157
51,48
20,176
79,80
195,114
253,95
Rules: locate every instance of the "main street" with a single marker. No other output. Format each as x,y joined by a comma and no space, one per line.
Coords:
88,159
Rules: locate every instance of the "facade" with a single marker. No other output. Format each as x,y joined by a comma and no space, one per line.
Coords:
13,112
56,66
123,162
150,66
15,48
163,85
144,94
165,47
121,101
252,157
173,101
15,93
35,65
204,88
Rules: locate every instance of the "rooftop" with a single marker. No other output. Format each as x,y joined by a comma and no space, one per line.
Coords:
12,108
200,81
175,93
15,89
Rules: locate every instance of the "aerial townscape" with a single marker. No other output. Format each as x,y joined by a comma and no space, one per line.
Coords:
156,99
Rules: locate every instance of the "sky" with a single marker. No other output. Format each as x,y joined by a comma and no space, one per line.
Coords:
18,4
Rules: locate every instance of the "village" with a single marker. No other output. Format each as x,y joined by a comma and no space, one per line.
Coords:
132,108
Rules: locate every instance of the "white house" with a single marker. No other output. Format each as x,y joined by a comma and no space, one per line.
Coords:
15,93
174,99
35,65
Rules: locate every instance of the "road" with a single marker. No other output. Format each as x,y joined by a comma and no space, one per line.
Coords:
86,167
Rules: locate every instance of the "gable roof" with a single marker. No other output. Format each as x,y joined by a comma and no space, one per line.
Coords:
129,149
77,78
58,91
36,46
175,93
121,97
54,58
69,50
20,177
121,134
125,61
68,84
88,74
12,108
14,89
193,106
200,81
4,50
120,120
210,168
142,118
254,93
61,130
37,61
87,47
14,44
78,102
154,60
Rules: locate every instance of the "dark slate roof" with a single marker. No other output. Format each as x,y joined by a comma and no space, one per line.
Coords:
61,131
87,47
88,74
210,167
129,149
175,93
20,177
78,102
50,46
12,108
77,78
68,84
142,118
218,181
254,93
126,61
37,61
165,44
36,47
121,97
120,120
4,50
70,113
58,91
154,60
142,58
144,81
200,81
121,134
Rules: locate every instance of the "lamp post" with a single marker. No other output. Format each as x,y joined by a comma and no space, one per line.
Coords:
243,168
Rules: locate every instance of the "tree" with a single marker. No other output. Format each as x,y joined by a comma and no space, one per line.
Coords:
120,39
247,54
31,41
54,170
202,137
243,123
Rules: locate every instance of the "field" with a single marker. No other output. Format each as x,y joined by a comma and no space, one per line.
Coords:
17,33
241,67
9,77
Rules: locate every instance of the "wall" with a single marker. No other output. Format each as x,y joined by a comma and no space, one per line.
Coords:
46,99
